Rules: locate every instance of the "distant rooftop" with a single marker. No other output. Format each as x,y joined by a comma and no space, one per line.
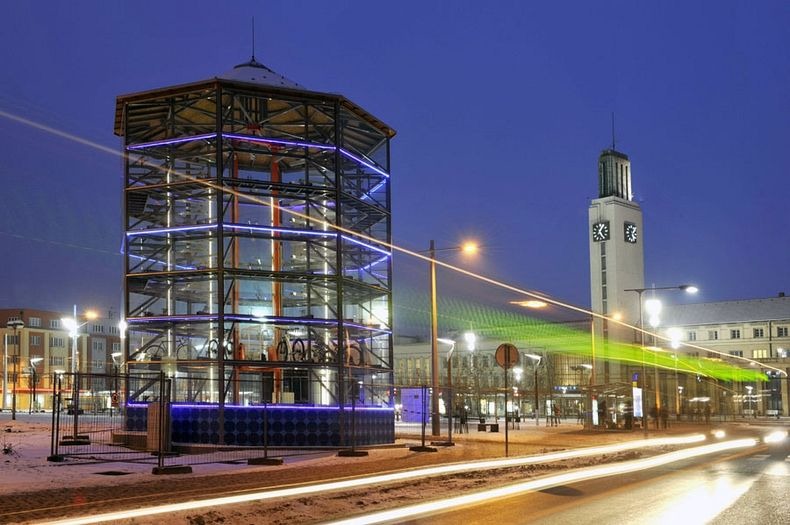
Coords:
255,72
773,308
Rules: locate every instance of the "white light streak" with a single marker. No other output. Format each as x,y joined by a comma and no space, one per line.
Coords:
543,483
382,478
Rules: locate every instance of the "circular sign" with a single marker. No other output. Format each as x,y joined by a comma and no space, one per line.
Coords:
506,355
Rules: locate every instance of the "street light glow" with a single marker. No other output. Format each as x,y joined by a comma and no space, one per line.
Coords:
469,247
531,303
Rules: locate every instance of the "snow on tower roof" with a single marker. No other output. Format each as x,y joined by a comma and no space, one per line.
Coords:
255,72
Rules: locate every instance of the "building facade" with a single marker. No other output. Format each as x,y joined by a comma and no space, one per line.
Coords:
42,348
754,329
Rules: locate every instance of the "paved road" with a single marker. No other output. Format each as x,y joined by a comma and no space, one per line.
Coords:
733,488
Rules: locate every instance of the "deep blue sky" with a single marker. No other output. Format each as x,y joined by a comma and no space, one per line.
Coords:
501,110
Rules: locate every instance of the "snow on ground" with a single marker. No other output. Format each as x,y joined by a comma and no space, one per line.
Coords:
25,469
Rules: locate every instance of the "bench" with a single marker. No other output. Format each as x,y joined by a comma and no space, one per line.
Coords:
493,427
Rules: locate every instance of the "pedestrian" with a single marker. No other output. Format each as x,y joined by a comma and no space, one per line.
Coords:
602,414
664,415
654,415
707,414
580,413
557,415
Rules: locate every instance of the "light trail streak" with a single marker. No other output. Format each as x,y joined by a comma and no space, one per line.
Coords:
544,483
347,231
379,479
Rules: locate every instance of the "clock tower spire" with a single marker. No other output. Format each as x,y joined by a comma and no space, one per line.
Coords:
616,256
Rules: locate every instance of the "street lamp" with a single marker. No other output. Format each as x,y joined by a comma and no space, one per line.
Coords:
471,339
468,248
688,288
15,324
73,326
34,379
749,390
450,396
536,358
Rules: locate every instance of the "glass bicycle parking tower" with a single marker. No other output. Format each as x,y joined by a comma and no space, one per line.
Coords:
256,220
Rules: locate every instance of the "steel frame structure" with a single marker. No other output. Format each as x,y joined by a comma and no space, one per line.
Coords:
256,215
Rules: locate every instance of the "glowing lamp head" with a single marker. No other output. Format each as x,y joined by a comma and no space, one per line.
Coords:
689,288
653,307
470,339
91,314
469,248
70,324
674,337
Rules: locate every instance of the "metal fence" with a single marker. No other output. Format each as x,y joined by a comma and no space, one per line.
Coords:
134,417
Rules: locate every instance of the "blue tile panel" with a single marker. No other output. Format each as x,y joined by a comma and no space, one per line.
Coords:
286,425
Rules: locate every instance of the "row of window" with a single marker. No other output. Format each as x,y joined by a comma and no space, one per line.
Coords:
756,354
735,333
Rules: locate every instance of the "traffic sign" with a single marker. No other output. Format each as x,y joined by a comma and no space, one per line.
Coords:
506,355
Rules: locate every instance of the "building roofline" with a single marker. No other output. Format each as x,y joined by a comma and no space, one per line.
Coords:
214,83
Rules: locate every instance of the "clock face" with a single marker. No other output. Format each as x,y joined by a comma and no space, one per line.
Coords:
631,233
600,231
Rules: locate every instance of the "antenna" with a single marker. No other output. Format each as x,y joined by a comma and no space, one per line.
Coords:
613,130
253,38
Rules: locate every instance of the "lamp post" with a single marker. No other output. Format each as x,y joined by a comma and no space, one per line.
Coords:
15,324
749,390
450,396
471,339
34,380
536,358
468,248
73,325
688,288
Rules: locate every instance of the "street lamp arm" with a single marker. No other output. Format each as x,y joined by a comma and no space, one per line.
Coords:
685,287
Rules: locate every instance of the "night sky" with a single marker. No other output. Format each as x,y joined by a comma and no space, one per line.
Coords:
501,108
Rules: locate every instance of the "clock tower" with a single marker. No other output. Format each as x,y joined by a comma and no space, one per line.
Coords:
616,257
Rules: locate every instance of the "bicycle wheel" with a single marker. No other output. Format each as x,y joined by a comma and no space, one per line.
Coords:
282,350
297,350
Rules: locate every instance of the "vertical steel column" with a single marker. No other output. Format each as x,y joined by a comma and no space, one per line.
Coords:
341,347
220,267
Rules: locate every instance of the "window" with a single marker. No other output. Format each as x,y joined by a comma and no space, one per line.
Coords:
57,361
35,340
54,323
760,354
57,342
735,334
713,334
757,333
692,336
113,329
116,347
781,331
97,329
14,318
34,322
12,339
737,353
97,363
98,345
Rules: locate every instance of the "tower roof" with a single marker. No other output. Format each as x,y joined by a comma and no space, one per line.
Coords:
255,72
613,152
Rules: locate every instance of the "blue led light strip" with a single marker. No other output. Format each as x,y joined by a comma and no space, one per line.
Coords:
263,140
176,229
167,142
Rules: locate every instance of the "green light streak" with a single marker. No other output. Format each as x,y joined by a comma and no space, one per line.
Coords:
569,338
